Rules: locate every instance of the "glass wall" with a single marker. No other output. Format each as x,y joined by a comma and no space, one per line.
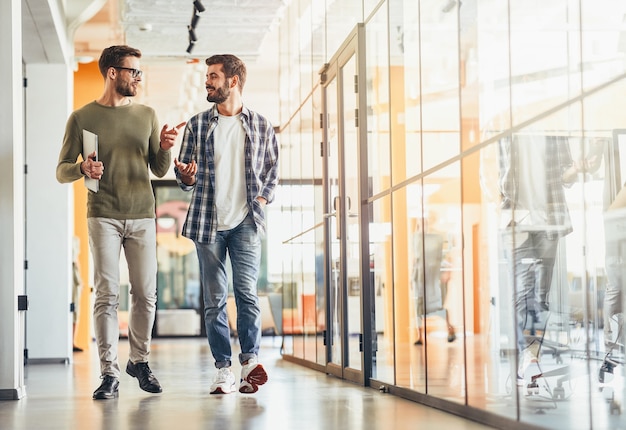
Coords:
496,154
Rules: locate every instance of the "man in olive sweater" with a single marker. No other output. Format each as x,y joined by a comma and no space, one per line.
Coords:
121,213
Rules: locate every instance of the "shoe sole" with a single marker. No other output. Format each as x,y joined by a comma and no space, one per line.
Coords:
258,376
220,390
105,397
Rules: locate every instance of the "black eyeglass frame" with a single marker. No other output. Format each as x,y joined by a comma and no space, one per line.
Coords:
135,73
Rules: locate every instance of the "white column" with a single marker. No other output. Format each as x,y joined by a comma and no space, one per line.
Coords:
49,216
11,202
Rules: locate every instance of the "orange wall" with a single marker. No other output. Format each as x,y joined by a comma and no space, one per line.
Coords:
88,85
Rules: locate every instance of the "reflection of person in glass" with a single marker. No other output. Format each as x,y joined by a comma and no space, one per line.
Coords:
534,216
430,274
615,231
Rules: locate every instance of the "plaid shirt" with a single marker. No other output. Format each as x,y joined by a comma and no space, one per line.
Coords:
558,159
261,167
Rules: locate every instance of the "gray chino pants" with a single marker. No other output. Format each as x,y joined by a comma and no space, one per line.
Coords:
138,238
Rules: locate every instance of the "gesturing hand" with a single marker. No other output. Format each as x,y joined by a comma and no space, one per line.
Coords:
187,171
168,136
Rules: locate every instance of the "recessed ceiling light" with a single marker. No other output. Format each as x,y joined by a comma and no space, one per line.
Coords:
145,26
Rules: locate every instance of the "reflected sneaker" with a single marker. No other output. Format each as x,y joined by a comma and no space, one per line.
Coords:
528,356
223,382
252,375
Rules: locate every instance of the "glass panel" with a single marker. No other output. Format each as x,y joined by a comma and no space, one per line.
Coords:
410,357
439,74
405,90
287,286
379,165
321,272
382,274
285,61
333,223
439,288
611,371
538,249
378,102
351,208
286,199
307,72
310,296
491,53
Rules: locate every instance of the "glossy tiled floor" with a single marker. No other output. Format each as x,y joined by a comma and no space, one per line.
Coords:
59,397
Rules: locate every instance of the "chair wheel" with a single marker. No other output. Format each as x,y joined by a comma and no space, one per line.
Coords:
615,408
558,393
532,389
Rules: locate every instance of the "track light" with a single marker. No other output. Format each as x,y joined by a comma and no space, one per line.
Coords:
192,34
194,20
198,5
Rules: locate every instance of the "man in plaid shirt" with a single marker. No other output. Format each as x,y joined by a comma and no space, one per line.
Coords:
229,160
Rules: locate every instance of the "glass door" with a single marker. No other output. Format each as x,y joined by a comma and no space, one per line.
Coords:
344,218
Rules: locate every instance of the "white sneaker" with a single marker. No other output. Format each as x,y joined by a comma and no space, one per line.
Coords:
252,375
528,356
223,382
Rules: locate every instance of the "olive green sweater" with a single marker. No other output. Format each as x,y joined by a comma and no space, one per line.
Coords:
128,143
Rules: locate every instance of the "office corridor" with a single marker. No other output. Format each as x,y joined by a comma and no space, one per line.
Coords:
59,397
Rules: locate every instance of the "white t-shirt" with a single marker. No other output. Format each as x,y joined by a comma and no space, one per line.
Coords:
531,186
230,179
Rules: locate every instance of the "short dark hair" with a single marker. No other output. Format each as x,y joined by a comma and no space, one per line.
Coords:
114,56
231,65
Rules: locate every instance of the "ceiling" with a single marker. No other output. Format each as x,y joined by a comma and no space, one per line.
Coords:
160,27
173,82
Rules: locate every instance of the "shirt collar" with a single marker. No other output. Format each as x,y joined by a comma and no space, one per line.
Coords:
214,114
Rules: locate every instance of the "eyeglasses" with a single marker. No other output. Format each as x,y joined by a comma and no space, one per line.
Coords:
135,73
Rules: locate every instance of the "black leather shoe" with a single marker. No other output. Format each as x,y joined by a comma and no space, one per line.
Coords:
108,389
147,381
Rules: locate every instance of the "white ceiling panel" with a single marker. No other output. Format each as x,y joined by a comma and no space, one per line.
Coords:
159,28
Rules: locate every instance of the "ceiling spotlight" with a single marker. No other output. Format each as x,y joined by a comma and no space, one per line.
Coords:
194,20
192,34
198,5
144,26
190,47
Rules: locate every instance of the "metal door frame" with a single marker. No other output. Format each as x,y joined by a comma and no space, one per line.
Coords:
353,46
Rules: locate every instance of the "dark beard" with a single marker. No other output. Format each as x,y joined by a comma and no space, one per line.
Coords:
124,89
220,95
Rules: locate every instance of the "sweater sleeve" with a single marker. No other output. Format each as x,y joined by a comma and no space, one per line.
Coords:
68,170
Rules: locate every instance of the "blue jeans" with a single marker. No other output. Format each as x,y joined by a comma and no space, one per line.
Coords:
533,264
243,244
